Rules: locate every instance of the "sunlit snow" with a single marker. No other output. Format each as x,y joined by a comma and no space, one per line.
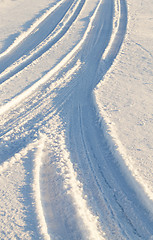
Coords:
76,117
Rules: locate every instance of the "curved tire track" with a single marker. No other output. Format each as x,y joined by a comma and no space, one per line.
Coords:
72,111
55,69
131,219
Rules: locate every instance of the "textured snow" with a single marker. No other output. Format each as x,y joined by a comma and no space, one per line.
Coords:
76,115
125,95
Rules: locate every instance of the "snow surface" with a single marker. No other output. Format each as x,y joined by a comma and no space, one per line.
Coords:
127,105
76,156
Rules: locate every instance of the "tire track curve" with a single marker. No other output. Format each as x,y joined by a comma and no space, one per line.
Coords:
114,192
54,70
80,192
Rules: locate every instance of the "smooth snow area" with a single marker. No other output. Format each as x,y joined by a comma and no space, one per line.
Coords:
76,156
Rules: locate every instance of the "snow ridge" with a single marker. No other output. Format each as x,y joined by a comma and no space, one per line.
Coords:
36,188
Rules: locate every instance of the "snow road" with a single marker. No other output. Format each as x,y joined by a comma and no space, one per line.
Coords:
68,183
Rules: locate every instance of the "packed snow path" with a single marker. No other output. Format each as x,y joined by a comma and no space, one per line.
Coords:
73,187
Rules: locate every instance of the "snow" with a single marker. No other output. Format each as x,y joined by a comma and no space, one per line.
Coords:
76,156
127,104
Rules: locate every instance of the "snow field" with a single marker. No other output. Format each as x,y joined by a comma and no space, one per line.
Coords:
65,157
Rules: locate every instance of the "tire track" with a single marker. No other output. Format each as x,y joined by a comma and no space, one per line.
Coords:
96,186
117,36
39,47
120,197
61,85
22,125
31,29
54,70
59,194
113,188
67,209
